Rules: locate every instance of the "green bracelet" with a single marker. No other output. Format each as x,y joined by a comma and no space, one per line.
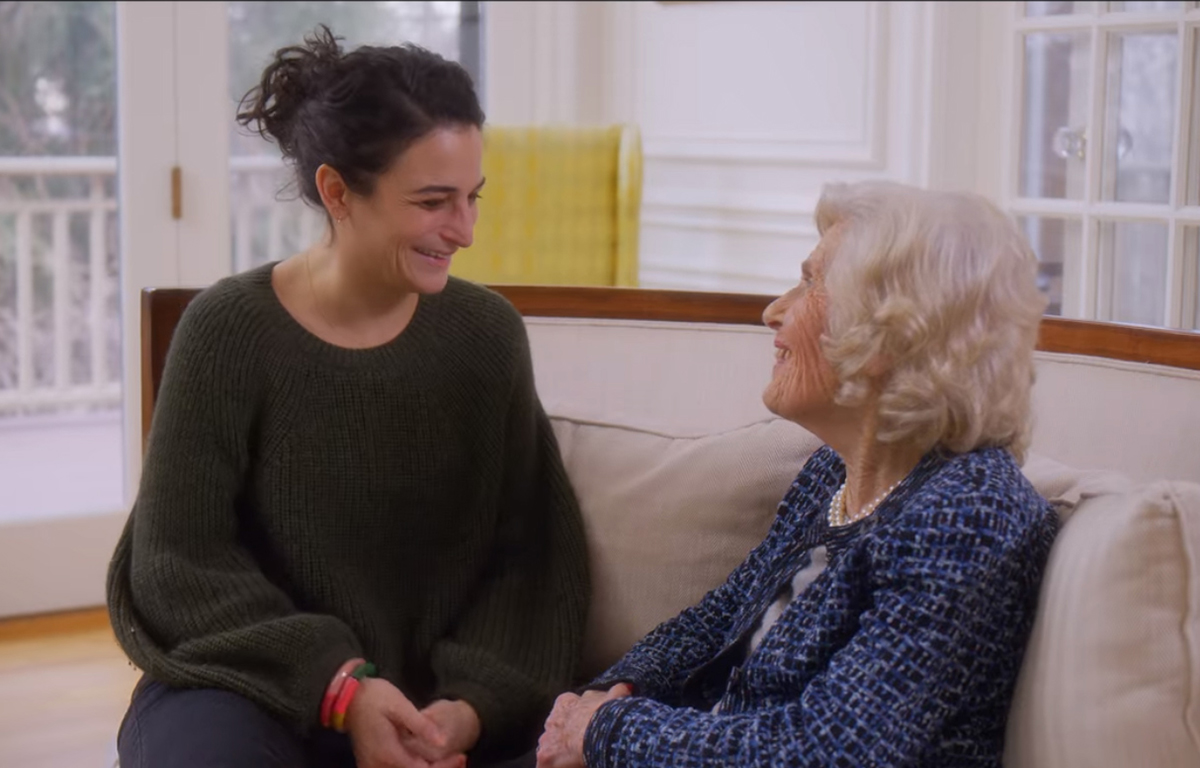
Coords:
366,669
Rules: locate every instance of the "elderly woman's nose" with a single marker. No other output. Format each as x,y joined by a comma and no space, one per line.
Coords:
773,314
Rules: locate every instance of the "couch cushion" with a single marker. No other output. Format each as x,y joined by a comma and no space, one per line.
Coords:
1064,487
1111,676
668,518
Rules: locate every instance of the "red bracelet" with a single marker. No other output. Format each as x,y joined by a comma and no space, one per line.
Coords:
349,688
335,688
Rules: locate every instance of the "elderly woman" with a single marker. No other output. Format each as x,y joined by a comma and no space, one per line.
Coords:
883,620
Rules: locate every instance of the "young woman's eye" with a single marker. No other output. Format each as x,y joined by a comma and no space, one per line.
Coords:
474,198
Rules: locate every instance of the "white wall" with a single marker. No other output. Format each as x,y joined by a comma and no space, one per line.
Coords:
746,110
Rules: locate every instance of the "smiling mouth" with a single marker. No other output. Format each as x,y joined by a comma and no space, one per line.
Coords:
782,354
434,254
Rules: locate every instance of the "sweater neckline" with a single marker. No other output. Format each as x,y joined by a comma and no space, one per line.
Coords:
417,329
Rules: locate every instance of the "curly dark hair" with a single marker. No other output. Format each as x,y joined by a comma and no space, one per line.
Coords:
356,111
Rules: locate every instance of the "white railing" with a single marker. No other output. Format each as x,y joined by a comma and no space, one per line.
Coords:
59,271
267,225
59,306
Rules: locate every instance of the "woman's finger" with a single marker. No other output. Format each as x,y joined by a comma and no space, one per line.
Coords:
421,748
619,691
403,713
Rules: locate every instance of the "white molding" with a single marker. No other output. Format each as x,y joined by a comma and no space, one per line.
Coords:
554,63
56,564
107,164
993,83
762,149
48,166
1190,316
621,62
532,60
867,151
717,224
716,199
1110,22
951,106
508,60
535,321
706,279
1077,209
1176,299
879,54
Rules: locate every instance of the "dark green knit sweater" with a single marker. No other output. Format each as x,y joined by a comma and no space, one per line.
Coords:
302,504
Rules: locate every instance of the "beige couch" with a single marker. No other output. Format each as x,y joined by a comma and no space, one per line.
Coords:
655,398
679,469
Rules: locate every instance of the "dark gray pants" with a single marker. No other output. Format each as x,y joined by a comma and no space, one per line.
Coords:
207,728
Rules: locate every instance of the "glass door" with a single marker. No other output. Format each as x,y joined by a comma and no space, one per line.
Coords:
61,456
143,92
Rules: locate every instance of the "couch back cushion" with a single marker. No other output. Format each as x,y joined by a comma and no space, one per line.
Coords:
1138,419
668,518
1111,675
699,378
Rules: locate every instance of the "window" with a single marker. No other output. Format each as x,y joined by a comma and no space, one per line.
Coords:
60,266
1107,148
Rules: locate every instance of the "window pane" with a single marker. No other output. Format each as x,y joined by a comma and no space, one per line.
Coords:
1054,117
1139,121
1144,7
1054,241
60,285
1133,279
269,220
1057,9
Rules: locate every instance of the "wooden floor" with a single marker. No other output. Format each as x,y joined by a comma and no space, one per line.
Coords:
64,686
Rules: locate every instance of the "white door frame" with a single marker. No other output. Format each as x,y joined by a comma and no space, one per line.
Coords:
173,111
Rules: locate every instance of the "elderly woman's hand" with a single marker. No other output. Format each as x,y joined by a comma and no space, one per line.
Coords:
561,745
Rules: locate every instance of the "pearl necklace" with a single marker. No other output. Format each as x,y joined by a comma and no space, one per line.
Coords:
837,506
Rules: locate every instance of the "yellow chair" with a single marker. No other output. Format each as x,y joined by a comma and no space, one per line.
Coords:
561,207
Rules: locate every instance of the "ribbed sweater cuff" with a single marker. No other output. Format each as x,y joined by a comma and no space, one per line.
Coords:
317,680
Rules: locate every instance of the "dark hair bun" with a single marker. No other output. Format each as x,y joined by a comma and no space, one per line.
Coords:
295,74
355,112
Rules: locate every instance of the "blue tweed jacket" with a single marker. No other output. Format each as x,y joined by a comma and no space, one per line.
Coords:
903,652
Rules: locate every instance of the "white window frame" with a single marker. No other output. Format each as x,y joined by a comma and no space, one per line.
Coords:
1082,270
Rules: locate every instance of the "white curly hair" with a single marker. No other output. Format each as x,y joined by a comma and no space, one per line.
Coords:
942,287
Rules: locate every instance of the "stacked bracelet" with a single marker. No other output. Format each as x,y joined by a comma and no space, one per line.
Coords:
341,690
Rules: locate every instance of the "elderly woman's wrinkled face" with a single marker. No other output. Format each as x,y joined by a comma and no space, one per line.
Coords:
802,381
